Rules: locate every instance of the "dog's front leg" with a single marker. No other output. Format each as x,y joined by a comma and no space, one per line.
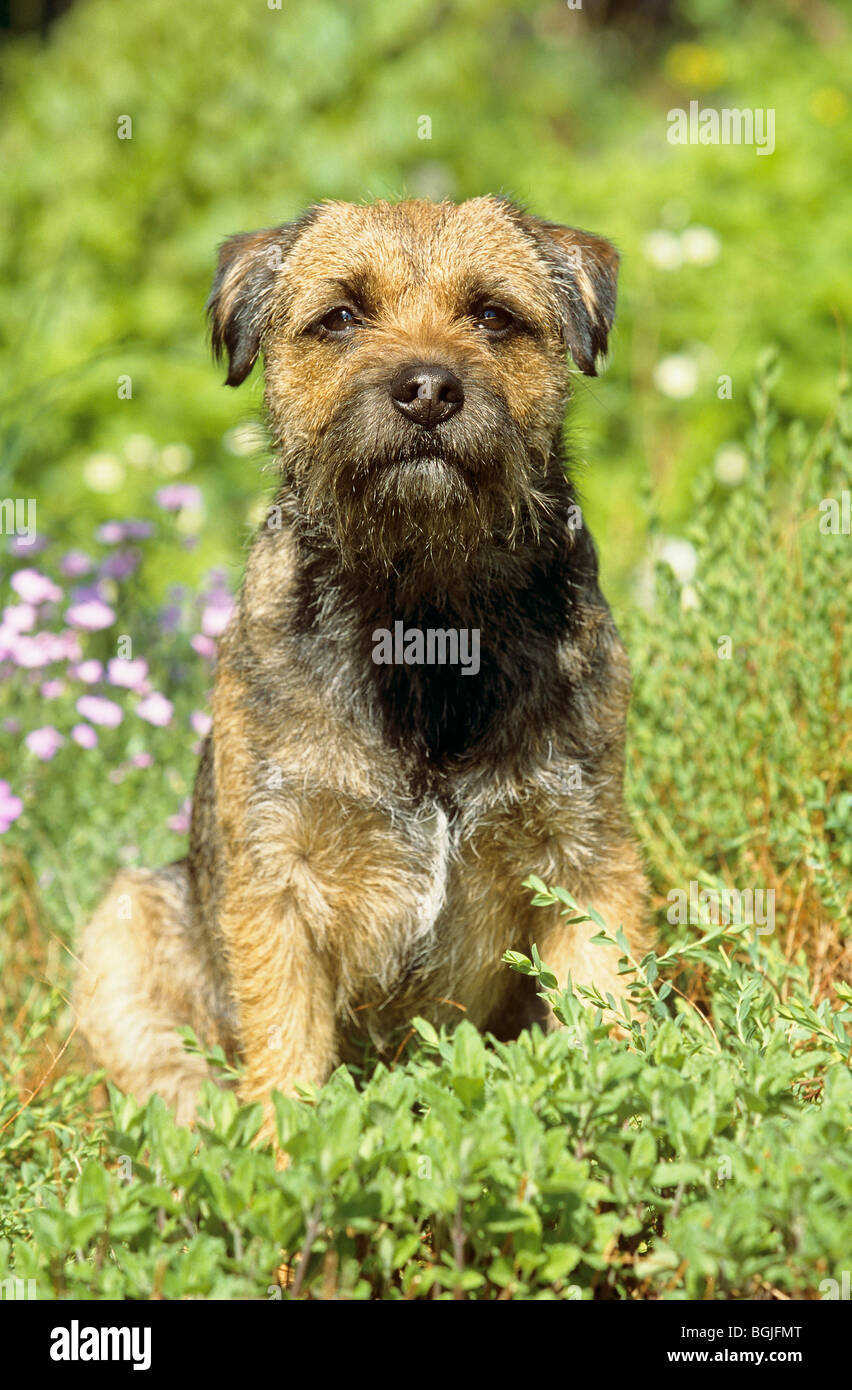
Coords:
282,986
323,901
618,893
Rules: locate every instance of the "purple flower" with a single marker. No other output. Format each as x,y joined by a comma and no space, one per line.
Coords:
75,564
10,807
61,646
84,592
100,710
141,760
92,615
217,614
38,650
128,674
85,735
180,823
22,546
120,564
114,532
44,742
67,646
51,690
20,617
204,646
177,496
32,652
156,709
200,722
35,588
87,671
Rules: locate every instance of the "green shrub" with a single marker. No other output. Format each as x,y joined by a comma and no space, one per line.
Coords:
740,747
707,1160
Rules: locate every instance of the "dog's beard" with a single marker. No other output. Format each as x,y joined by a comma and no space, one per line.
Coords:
399,497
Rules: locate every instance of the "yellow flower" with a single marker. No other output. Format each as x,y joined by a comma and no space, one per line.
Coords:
692,65
829,105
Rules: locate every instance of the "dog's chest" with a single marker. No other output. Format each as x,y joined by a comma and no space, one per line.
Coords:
443,717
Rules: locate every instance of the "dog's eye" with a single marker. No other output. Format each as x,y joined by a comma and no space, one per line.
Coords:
492,319
341,319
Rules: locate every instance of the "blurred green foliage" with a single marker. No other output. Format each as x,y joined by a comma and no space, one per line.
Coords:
242,114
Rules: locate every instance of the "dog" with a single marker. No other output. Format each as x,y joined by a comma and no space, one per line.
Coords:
363,818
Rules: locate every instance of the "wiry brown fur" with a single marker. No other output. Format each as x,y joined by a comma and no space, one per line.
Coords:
360,832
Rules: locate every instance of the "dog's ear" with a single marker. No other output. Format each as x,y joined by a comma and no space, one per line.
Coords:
584,271
242,297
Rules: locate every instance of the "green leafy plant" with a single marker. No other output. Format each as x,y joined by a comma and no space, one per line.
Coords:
691,1160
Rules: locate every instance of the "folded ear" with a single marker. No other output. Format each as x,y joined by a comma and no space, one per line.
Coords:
584,270
242,297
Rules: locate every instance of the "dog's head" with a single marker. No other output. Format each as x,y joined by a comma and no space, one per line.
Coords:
415,355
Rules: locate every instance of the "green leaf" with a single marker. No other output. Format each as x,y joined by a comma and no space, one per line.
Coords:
426,1032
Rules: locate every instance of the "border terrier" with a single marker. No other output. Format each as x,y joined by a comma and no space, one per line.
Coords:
363,816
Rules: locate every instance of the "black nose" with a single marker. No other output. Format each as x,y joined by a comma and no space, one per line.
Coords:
426,395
